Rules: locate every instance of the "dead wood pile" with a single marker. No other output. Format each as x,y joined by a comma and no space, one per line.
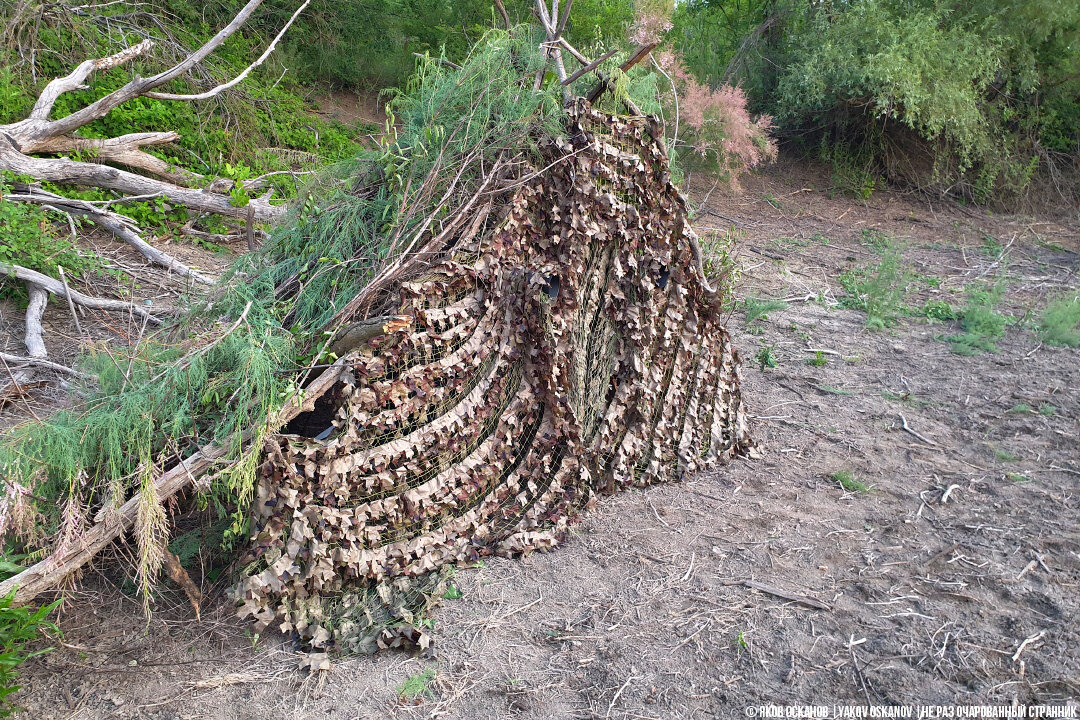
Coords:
562,343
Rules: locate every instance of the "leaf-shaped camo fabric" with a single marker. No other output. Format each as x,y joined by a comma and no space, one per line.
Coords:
571,348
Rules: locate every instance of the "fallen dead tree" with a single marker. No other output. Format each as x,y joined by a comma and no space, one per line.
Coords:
48,149
536,329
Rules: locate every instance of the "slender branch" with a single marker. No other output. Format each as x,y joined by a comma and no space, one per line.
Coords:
42,363
74,81
239,78
562,21
57,288
115,224
140,86
590,67
502,11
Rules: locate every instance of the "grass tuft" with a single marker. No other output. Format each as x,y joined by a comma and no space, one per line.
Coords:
849,482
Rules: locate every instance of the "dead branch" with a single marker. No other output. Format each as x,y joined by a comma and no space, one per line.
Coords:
637,56
590,67
37,134
57,288
41,363
239,78
35,346
116,224
71,172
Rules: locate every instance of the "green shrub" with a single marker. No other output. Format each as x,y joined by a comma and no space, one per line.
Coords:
879,290
980,321
1060,323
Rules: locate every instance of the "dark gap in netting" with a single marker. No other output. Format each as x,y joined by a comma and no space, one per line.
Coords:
317,424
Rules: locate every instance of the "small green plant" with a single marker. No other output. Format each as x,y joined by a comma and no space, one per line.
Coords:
991,246
1047,410
452,592
1017,477
1060,323
819,359
740,640
1020,408
849,482
980,321
1003,456
19,627
832,390
718,259
766,358
939,311
416,687
759,308
27,238
879,291
876,240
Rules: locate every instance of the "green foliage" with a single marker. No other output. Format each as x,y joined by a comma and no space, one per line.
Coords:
879,290
19,628
418,685
849,482
759,308
975,97
939,310
980,321
1060,322
766,358
1022,408
28,238
819,359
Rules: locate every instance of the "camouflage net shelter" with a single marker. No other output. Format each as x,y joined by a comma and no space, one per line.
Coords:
551,346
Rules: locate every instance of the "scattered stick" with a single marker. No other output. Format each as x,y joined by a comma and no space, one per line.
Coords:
179,575
782,594
71,305
1023,646
906,428
938,555
1027,568
948,492
27,275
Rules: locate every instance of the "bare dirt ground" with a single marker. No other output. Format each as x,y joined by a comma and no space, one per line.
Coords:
953,578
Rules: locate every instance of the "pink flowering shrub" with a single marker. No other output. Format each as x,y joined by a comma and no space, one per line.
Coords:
715,124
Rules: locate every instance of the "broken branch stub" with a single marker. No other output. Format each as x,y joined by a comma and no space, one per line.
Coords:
570,349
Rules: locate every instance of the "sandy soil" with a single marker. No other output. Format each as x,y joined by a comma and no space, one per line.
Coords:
954,578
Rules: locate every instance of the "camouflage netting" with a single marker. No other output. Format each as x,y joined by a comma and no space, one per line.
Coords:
565,346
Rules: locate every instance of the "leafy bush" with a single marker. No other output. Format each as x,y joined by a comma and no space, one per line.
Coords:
19,627
980,321
28,238
879,290
1060,323
975,98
